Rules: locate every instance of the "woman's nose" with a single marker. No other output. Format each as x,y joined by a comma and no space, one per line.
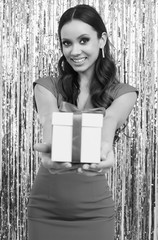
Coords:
76,50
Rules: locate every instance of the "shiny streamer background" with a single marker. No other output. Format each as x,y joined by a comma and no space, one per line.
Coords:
29,49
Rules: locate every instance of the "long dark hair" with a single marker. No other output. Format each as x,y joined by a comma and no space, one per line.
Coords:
105,69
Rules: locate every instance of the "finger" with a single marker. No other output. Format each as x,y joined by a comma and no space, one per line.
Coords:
87,172
65,165
60,166
104,165
57,170
108,163
55,165
80,170
41,147
86,166
93,165
90,169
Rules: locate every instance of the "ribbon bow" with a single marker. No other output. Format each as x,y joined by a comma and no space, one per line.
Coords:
77,125
68,107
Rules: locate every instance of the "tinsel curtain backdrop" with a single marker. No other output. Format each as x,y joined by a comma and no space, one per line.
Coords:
29,49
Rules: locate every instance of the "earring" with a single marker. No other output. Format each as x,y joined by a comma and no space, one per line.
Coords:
103,54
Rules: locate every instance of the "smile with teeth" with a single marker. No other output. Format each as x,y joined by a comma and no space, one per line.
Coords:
81,60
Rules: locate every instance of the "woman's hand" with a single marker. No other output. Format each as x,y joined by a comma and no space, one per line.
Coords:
107,157
53,167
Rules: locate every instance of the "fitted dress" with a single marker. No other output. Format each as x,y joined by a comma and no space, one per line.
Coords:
71,206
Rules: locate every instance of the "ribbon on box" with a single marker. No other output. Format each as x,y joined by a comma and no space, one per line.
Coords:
77,125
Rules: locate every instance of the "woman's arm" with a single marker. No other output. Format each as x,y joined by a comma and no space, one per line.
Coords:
115,117
46,105
117,114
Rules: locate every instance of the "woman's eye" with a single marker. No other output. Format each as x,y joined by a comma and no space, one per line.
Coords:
66,43
84,40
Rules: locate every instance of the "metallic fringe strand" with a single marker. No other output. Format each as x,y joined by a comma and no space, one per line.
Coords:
29,49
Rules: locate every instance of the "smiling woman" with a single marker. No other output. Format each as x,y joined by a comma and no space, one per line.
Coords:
77,203
81,47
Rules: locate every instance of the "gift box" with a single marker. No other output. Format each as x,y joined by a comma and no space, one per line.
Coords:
76,137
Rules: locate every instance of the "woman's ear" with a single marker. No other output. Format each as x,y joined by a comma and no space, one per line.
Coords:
103,39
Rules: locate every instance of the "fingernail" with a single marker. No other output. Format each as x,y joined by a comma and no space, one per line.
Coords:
68,165
93,165
79,170
85,166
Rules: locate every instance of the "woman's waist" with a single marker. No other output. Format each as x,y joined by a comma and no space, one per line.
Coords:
71,187
71,195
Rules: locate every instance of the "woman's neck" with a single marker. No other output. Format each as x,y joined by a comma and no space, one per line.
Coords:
84,82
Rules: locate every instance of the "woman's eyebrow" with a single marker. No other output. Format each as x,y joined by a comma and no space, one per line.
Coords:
79,37
83,35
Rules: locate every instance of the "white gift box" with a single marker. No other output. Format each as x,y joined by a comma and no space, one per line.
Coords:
62,137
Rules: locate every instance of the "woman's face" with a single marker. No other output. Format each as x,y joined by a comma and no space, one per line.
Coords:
80,45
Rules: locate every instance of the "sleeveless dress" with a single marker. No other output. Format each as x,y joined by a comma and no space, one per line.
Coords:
71,206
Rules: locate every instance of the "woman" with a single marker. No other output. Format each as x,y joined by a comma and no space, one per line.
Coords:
77,204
